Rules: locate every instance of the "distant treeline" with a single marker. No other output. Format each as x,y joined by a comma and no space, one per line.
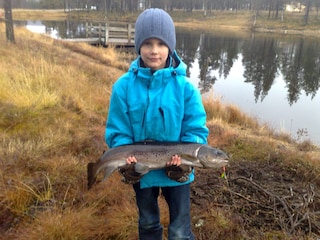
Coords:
187,5
274,7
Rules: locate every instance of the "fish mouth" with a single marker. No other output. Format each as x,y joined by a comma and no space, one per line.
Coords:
217,163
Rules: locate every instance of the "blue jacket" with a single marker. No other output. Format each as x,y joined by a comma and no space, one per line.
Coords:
160,106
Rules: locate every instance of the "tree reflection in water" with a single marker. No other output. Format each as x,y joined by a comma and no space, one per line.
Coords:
263,58
248,69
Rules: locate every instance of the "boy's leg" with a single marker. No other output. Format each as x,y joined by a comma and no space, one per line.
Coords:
178,199
149,214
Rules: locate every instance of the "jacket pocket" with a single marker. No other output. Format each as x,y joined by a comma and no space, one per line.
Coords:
172,119
137,116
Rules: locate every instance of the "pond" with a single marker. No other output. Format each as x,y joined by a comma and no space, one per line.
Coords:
275,79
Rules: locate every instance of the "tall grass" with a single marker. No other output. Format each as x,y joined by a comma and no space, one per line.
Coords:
36,14
53,103
69,224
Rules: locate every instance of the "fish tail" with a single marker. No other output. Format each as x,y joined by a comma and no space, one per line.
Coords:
91,178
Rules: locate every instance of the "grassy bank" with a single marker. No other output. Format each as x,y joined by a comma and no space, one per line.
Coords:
54,99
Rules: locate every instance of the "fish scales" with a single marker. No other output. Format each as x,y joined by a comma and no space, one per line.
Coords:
145,152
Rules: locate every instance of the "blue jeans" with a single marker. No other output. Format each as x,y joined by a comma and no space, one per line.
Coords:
178,200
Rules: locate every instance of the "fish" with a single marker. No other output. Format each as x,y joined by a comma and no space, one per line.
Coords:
155,155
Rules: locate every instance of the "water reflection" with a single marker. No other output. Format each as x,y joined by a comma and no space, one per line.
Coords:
263,59
275,79
245,70
40,27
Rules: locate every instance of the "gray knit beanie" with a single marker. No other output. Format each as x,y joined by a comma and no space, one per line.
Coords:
155,23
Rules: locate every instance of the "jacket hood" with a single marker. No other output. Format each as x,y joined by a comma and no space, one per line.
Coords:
158,78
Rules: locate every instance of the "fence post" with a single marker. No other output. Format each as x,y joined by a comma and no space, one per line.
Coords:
100,33
90,30
87,29
129,32
106,37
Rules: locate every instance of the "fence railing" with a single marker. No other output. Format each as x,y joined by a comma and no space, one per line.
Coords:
111,33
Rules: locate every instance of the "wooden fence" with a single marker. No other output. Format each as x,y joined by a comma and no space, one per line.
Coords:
108,33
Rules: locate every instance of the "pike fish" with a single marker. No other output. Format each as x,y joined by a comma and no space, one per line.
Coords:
155,156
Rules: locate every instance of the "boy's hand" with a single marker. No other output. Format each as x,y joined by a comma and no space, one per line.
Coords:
175,161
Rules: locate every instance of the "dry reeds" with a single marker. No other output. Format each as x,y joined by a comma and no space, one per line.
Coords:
48,94
83,223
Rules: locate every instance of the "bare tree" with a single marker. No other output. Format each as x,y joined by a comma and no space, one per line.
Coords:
8,20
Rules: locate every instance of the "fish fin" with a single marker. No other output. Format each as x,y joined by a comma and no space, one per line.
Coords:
188,157
129,174
193,164
190,160
108,172
90,176
141,168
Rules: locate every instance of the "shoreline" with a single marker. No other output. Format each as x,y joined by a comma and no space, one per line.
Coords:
244,29
241,21
304,33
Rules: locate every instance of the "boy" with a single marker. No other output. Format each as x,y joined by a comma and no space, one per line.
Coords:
155,102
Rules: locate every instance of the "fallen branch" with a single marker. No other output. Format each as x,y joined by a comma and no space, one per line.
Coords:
293,216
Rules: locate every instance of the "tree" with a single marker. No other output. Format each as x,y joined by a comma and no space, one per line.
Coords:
306,17
8,20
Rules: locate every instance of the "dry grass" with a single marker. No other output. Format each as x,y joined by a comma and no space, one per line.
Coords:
38,14
230,114
54,100
240,21
81,223
215,20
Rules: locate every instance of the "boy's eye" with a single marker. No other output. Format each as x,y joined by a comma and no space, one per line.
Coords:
150,43
147,44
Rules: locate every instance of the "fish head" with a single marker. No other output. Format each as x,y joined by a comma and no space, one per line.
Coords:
211,157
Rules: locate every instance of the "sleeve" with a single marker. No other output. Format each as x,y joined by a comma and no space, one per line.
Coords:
194,127
118,128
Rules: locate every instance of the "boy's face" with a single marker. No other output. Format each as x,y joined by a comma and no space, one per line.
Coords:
154,53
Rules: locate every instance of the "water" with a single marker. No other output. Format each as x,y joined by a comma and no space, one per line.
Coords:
299,119
273,78
39,27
